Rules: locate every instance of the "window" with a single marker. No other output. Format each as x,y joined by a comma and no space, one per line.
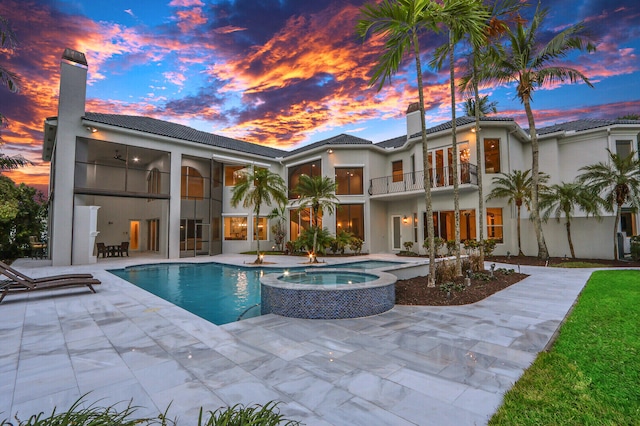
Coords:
492,155
350,218
233,175
623,148
191,184
299,220
444,224
190,234
415,227
627,223
235,228
396,171
153,181
494,225
349,181
260,228
312,169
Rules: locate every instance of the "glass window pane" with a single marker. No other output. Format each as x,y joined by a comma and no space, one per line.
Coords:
396,171
312,169
350,218
260,228
235,228
494,225
349,181
492,155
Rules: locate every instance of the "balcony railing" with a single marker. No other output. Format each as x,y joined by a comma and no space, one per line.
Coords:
441,177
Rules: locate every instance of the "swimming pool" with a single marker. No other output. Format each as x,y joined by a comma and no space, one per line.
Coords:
319,277
213,291
216,292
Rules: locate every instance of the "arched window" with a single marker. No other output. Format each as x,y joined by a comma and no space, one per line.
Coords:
192,184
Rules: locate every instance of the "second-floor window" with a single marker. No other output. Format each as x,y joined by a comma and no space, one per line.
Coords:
492,155
623,148
312,169
396,171
192,184
233,175
349,181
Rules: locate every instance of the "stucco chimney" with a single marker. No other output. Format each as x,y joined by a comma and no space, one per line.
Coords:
73,84
413,119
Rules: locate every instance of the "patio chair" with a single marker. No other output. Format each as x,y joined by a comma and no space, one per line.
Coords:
20,283
124,249
102,249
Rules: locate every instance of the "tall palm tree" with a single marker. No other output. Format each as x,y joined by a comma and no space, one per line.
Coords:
533,65
469,22
517,188
401,23
496,27
562,199
617,182
318,194
484,107
260,186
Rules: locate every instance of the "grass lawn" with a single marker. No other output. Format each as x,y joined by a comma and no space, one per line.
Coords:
591,376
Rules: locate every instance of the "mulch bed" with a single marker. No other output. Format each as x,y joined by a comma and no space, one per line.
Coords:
414,291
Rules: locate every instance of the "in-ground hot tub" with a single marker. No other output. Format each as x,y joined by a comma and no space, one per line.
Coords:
327,293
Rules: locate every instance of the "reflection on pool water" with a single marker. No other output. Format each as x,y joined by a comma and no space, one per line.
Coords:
367,264
327,278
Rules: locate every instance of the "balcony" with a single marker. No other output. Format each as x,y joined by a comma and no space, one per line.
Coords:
441,177
102,179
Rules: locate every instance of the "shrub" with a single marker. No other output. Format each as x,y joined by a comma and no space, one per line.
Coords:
259,415
290,247
471,246
437,242
489,246
635,248
451,247
408,245
340,242
356,245
474,263
445,271
451,286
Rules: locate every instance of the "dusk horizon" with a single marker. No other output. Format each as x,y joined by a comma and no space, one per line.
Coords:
281,74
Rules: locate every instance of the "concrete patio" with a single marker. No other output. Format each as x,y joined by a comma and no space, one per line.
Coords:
408,366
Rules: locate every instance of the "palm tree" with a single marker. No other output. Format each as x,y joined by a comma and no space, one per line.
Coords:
401,23
470,82
516,187
563,199
533,65
318,194
279,229
617,182
470,23
485,107
8,41
260,186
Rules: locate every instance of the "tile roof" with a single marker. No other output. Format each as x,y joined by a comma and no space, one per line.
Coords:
460,121
341,139
582,125
178,131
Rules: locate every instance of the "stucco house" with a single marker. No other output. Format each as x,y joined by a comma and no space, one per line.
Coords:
165,188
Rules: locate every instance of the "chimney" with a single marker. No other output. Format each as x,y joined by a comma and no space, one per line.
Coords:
413,119
73,85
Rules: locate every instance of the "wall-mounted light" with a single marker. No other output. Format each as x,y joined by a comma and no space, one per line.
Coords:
91,129
405,219
330,151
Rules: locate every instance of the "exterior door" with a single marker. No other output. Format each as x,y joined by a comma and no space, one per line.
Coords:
396,232
134,235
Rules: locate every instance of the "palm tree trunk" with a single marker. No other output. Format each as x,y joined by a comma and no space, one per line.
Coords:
616,255
543,253
520,253
255,233
454,163
425,165
314,252
573,253
479,159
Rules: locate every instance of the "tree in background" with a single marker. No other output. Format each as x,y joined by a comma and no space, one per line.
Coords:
279,229
23,213
316,193
259,187
486,107
8,42
563,199
517,188
533,65
617,181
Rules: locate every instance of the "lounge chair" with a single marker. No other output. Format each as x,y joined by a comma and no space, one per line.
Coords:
21,283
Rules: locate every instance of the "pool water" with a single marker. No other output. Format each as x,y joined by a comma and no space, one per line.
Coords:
215,292
327,278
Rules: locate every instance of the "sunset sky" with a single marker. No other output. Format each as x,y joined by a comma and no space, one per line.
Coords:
275,72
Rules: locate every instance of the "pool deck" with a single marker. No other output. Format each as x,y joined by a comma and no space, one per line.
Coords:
407,366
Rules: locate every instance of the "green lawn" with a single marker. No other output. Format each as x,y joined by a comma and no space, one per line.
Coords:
591,376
